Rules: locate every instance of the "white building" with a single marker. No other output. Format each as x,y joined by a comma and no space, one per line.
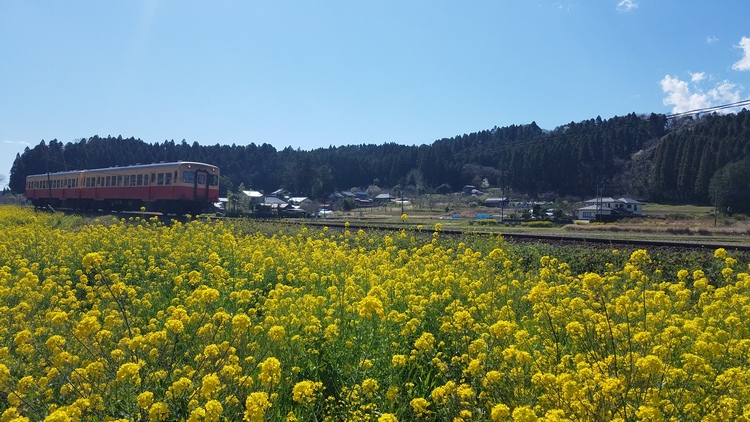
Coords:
623,207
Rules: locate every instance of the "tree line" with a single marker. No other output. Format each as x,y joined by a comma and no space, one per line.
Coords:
649,157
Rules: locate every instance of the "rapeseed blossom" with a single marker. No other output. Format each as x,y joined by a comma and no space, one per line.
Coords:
128,317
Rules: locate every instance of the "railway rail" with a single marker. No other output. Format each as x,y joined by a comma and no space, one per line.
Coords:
514,237
692,244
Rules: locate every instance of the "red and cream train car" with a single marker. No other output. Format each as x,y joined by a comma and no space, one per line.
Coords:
181,187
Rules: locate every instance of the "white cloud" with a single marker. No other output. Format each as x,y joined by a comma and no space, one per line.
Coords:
686,96
24,143
626,6
744,63
711,39
697,77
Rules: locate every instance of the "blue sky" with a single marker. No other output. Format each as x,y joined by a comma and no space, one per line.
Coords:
312,74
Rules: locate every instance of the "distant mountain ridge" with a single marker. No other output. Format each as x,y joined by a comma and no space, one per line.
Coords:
649,157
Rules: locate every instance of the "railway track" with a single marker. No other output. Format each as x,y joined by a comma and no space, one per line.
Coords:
600,241
513,237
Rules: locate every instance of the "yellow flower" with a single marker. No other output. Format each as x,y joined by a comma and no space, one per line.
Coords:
210,385
371,305
425,342
158,412
499,412
392,393
398,360
145,400
305,391
387,417
370,386
214,409
240,322
256,405
91,260
419,406
4,374
720,253
129,372
276,333
174,325
270,371
524,414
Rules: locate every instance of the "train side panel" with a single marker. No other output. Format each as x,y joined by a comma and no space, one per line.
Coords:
180,187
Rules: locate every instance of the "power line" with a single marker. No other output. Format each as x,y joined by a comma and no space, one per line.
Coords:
709,109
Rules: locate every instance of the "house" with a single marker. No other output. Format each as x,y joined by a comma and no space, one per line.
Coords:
281,193
384,198
471,190
254,196
609,208
274,202
495,202
300,200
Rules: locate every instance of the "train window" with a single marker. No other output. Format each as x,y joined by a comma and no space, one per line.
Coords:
160,179
119,180
201,179
132,180
168,178
107,181
153,178
127,179
188,177
140,180
213,180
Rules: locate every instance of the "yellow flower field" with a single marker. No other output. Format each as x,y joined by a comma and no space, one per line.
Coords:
136,320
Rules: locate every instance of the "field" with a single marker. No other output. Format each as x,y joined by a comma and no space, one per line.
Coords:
131,319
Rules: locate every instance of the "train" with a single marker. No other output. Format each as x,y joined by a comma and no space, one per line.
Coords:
181,187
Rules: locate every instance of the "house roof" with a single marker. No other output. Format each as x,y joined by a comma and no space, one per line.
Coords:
385,196
273,200
609,200
252,193
605,210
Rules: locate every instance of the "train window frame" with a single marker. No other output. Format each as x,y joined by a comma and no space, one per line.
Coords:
139,179
201,178
119,180
168,178
132,180
126,182
160,179
188,176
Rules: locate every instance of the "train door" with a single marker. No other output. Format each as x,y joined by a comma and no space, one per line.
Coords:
200,192
151,186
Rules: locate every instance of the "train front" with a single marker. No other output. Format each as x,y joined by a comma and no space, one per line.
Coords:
200,184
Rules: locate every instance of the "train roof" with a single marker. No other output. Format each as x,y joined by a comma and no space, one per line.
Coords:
132,167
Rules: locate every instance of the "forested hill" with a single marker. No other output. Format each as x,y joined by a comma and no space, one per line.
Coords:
648,157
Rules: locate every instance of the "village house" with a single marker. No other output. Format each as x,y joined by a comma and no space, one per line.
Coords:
609,208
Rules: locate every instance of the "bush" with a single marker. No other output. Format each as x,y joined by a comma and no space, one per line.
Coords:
537,224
